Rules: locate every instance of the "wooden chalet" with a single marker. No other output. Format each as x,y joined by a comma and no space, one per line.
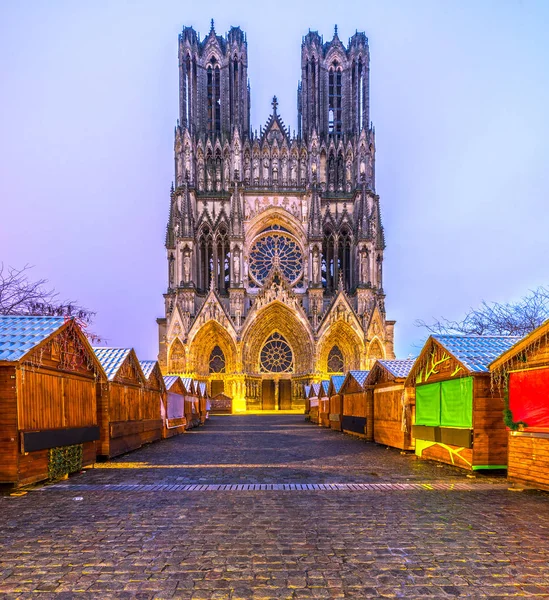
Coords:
154,391
336,401
221,404
522,372
127,417
175,421
306,390
458,415
203,401
192,410
357,405
314,401
324,404
394,404
48,410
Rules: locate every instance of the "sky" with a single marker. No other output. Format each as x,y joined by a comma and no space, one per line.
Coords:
459,98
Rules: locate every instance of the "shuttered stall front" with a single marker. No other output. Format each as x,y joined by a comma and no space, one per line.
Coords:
324,404
191,402
314,401
154,393
175,421
306,390
357,417
458,416
48,411
336,401
523,374
203,401
122,416
394,404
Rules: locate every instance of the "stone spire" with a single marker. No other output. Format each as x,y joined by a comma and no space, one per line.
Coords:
236,212
187,216
315,216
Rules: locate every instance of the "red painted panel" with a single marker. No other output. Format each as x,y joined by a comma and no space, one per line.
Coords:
529,397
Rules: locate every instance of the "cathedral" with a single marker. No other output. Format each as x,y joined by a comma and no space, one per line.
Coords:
274,241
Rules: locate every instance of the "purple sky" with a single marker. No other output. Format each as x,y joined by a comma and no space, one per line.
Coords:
459,98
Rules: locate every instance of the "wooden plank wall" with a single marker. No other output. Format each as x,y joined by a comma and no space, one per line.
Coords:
360,404
55,401
388,417
336,405
529,461
490,434
9,448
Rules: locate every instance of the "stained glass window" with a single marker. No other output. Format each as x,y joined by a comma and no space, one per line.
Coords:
335,361
217,361
276,355
272,248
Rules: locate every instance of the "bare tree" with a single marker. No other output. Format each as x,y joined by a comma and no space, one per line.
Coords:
20,295
513,318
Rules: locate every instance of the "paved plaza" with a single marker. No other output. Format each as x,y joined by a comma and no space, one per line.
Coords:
248,507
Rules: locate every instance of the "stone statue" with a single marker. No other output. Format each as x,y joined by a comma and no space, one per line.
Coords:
265,170
364,266
186,266
236,266
316,266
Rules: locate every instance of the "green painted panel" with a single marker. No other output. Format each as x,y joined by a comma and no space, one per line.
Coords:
428,404
456,401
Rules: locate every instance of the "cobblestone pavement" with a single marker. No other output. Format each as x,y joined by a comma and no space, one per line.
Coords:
82,539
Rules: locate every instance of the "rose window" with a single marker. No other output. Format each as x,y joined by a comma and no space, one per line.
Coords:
275,248
276,355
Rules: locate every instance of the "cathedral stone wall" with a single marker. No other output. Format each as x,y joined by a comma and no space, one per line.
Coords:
274,240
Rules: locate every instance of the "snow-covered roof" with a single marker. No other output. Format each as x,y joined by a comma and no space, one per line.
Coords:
111,359
476,352
19,334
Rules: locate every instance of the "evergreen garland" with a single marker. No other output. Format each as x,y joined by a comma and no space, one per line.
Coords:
507,413
64,460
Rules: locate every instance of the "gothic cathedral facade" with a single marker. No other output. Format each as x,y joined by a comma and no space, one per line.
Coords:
274,240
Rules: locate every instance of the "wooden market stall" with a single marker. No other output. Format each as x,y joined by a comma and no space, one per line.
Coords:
306,390
394,404
523,374
336,402
458,417
221,404
203,401
314,400
324,404
127,417
192,410
357,405
154,392
175,421
48,410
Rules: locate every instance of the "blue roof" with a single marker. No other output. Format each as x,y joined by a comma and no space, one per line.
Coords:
476,352
19,334
111,359
359,376
325,384
147,366
337,382
315,389
169,380
397,367
307,388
